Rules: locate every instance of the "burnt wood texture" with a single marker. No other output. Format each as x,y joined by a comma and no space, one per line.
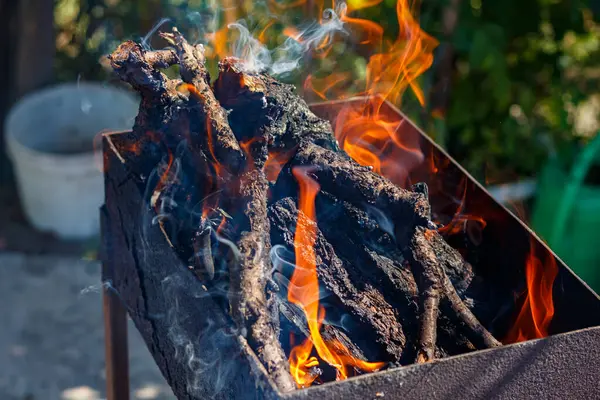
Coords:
194,220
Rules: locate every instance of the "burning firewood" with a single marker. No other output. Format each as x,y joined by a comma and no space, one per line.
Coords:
262,106
409,213
221,142
336,278
360,244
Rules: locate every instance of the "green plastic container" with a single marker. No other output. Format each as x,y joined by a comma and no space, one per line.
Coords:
566,214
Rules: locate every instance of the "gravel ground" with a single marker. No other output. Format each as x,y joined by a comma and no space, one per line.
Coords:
52,337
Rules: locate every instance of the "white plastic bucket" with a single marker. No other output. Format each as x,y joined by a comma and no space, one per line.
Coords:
50,141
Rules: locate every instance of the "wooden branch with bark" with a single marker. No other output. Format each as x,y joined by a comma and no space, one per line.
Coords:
396,289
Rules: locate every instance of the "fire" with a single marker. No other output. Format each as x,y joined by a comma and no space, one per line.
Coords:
458,223
246,146
219,42
219,38
304,292
537,311
191,89
275,162
369,136
322,86
162,183
373,140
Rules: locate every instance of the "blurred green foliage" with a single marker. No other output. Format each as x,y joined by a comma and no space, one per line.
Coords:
524,81
526,72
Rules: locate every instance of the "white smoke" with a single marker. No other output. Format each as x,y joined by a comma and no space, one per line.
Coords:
385,223
146,39
105,285
286,58
283,269
209,355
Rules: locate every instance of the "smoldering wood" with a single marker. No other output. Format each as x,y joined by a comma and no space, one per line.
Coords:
367,234
389,272
339,174
163,119
222,143
425,265
141,69
331,333
359,298
371,256
407,211
261,106
248,294
166,110
164,298
434,285
251,311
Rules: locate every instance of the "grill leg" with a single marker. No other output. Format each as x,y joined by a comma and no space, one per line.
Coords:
115,345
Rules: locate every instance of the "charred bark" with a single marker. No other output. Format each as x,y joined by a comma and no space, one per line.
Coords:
349,181
261,106
434,284
360,299
330,333
408,213
221,141
396,290
249,301
142,70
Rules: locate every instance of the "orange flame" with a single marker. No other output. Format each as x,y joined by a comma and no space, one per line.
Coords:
222,225
293,33
365,133
354,5
321,87
208,126
262,37
211,202
218,39
304,292
275,162
371,138
246,146
536,314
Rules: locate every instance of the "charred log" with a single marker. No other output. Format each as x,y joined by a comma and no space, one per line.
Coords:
434,284
161,104
248,295
382,267
331,333
360,299
222,143
406,211
349,181
264,107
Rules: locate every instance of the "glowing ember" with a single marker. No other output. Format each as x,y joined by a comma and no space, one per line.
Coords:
304,292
